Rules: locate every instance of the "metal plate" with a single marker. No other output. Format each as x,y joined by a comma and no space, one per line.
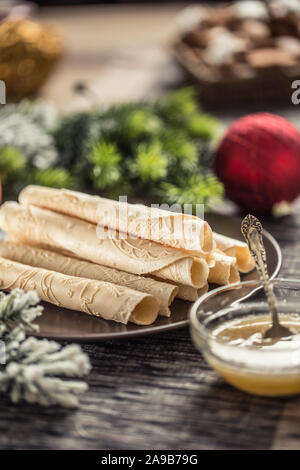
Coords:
62,324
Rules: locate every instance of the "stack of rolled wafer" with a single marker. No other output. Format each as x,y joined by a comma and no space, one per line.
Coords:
119,261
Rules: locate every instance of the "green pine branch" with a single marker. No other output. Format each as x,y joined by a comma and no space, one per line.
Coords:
198,189
12,164
150,164
53,177
105,158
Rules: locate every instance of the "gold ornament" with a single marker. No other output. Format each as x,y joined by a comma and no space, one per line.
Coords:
28,52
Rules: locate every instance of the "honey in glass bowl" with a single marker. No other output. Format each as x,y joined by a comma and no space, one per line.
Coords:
228,326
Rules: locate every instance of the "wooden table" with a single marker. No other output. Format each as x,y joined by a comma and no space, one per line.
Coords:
155,392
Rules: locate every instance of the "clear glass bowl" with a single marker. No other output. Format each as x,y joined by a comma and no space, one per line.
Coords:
249,368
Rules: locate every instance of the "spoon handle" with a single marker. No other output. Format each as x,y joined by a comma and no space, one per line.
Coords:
252,231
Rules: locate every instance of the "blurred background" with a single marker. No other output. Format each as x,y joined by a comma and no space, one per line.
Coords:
234,58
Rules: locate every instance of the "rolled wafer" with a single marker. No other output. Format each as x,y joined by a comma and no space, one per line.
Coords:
163,292
191,293
237,249
46,229
101,299
210,259
181,231
225,270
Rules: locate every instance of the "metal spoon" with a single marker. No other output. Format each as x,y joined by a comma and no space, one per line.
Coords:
251,229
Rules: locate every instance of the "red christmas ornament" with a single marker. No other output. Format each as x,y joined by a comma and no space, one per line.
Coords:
258,161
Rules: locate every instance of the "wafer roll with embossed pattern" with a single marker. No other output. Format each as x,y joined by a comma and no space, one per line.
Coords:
237,249
181,231
101,299
46,229
191,293
225,270
163,292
